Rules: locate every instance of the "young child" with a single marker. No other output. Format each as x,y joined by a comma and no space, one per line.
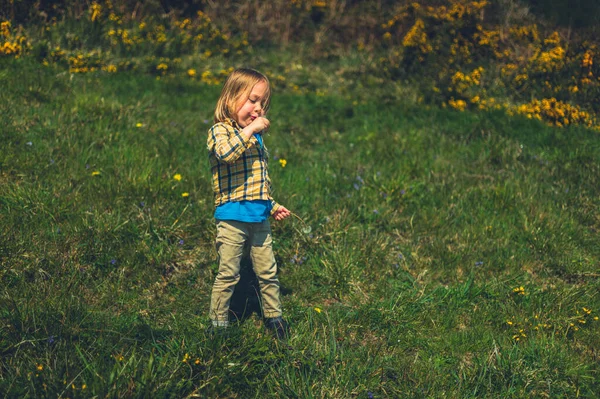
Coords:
238,161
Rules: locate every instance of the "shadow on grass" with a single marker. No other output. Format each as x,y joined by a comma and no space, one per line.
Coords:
245,300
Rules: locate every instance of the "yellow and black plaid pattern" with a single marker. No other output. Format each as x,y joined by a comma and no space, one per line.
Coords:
238,166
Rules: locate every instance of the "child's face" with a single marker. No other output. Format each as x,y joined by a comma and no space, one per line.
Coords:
251,107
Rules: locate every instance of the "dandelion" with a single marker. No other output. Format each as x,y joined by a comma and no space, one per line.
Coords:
318,310
177,177
39,367
191,72
95,173
197,362
185,195
139,124
282,162
519,290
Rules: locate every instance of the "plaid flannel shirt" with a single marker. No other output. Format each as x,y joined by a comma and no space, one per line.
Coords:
238,166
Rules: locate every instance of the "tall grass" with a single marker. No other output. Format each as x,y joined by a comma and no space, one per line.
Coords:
440,254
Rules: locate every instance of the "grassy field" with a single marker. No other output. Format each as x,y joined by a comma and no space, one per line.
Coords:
439,253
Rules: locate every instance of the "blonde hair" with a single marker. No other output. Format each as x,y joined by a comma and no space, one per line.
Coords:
238,85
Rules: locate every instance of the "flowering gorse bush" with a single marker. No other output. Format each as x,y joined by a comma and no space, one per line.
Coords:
520,63
455,52
11,44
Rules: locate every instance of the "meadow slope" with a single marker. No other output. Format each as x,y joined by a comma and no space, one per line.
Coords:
435,253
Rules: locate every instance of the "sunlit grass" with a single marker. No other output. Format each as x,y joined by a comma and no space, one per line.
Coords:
439,253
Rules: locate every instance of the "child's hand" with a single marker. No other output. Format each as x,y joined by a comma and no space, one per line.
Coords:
281,213
259,124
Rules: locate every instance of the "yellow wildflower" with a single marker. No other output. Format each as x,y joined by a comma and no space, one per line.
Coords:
139,124
39,367
95,173
457,104
282,162
96,11
191,72
318,310
519,290
185,195
177,177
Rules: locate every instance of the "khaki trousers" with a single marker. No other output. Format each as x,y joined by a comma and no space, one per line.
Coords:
232,238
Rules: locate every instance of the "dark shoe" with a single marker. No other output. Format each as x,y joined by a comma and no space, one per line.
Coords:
278,327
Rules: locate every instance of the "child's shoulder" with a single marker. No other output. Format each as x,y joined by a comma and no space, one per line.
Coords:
226,124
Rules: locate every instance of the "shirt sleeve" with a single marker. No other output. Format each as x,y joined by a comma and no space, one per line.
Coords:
274,206
226,143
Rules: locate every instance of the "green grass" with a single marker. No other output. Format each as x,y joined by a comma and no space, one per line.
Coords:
418,225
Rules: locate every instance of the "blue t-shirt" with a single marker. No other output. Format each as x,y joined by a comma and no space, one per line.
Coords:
245,211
